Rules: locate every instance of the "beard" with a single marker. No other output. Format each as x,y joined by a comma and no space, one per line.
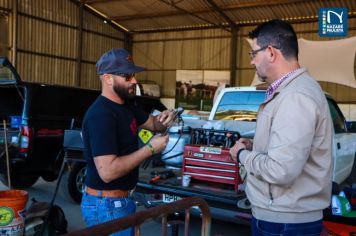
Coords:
125,93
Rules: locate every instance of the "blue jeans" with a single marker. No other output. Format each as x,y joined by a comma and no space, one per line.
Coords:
265,228
97,210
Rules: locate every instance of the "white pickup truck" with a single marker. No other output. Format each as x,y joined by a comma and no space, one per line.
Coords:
235,109
242,103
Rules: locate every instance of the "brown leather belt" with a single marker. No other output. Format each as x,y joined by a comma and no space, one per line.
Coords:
107,193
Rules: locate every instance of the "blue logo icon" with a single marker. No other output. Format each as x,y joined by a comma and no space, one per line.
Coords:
333,22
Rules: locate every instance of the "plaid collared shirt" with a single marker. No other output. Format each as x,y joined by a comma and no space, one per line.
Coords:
274,86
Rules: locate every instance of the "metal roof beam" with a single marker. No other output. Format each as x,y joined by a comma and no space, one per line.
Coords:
98,1
266,3
202,11
144,16
217,8
172,4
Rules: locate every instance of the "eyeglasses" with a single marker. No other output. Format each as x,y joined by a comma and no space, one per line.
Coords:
128,77
253,53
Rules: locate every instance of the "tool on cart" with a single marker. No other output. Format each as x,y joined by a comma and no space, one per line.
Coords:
208,157
176,112
161,175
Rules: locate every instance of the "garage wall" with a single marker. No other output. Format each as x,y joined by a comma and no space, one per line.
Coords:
164,53
6,4
5,35
47,41
58,42
51,48
98,38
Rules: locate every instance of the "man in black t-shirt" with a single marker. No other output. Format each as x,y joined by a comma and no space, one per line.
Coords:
111,142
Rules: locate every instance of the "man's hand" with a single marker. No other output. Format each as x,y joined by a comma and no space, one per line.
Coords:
248,143
166,117
159,142
233,150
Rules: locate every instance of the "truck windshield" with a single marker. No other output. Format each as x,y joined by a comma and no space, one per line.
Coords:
240,106
6,75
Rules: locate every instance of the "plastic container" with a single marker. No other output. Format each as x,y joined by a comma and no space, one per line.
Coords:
186,180
173,154
12,212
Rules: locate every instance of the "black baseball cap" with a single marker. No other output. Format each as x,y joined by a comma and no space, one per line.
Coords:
117,61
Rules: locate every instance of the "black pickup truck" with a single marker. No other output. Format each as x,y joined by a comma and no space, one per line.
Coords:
33,118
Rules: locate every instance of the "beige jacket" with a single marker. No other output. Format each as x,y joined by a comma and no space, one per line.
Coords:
290,167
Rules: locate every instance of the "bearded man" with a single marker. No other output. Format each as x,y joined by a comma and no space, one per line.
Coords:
111,143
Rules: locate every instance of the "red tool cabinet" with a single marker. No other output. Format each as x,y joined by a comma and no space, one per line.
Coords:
209,163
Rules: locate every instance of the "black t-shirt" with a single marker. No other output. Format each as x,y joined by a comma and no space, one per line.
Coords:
111,128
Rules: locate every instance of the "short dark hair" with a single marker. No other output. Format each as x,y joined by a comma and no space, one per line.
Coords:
279,34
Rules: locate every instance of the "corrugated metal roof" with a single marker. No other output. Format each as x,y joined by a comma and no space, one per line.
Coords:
154,15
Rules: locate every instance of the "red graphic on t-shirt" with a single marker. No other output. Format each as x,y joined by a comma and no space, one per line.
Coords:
133,126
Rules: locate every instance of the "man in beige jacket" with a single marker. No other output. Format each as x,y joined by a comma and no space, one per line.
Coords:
289,167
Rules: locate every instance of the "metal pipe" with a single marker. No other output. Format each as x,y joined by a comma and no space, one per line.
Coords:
151,213
186,223
7,156
137,230
164,225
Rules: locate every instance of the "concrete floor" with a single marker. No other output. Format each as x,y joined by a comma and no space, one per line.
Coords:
43,191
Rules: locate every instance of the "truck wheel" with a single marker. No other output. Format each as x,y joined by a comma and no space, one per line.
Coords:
49,177
72,182
19,181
